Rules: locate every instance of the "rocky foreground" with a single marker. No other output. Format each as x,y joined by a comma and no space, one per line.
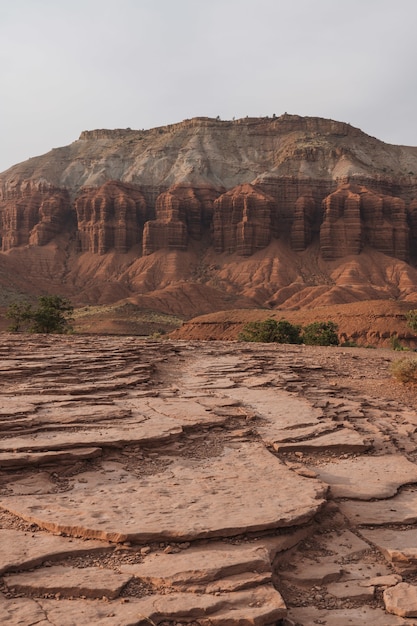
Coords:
210,484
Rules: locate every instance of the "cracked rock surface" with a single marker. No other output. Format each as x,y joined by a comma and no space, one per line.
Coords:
207,484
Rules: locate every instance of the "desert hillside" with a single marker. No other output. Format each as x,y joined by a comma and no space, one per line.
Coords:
209,215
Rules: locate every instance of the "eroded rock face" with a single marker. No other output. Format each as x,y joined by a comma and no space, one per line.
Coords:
355,217
242,220
110,217
34,216
302,227
181,212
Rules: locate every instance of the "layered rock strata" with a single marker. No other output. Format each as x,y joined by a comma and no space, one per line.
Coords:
219,485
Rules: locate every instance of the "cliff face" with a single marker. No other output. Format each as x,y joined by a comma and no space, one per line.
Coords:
206,187
34,216
110,217
355,216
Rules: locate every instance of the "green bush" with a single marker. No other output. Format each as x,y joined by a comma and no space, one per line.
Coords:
320,334
405,370
52,315
270,331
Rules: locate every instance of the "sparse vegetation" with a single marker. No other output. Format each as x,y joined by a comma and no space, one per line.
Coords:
405,370
271,331
52,315
321,334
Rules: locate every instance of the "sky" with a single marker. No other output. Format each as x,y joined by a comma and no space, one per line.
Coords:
73,65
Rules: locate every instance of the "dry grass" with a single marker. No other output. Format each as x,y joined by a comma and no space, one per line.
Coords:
405,370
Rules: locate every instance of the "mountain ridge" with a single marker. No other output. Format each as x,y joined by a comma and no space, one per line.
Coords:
207,214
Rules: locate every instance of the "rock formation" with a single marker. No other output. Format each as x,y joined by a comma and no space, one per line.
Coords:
34,215
355,216
242,220
212,484
110,217
298,192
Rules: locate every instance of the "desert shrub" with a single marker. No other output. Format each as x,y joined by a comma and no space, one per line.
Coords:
405,370
270,331
349,344
411,317
52,315
321,334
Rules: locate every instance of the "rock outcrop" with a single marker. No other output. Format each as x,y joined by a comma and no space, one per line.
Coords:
34,215
298,192
229,485
182,211
110,217
355,216
242,220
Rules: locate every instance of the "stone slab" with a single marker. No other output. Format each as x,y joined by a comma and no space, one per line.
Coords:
367,477
340,440
207,563
401,600
90,582
399,546
361,616
21,549
401,509
352,590
200,565
128,433
22,459
241,490
261,606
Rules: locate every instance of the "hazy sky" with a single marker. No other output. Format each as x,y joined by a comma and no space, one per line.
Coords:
73,65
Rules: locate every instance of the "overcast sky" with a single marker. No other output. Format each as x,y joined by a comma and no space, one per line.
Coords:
73,65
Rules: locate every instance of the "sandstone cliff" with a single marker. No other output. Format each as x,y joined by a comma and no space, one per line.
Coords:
94,216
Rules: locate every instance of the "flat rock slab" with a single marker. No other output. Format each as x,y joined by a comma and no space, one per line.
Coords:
399,546
90,582
367,477
337,547
198,565
401,600
241,490
351,589
340,440
282,413
23,549
259,607
401,509
361,616
129,432
22,459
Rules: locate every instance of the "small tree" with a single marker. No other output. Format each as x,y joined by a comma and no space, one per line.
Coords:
20,315
321,334
52,315
269,331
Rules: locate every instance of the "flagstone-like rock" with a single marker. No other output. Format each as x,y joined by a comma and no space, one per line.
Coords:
341,440
259,607
401,600
90,582
399,546
362,616
401,509
368,477
210,562
241,490
16,459
25,549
